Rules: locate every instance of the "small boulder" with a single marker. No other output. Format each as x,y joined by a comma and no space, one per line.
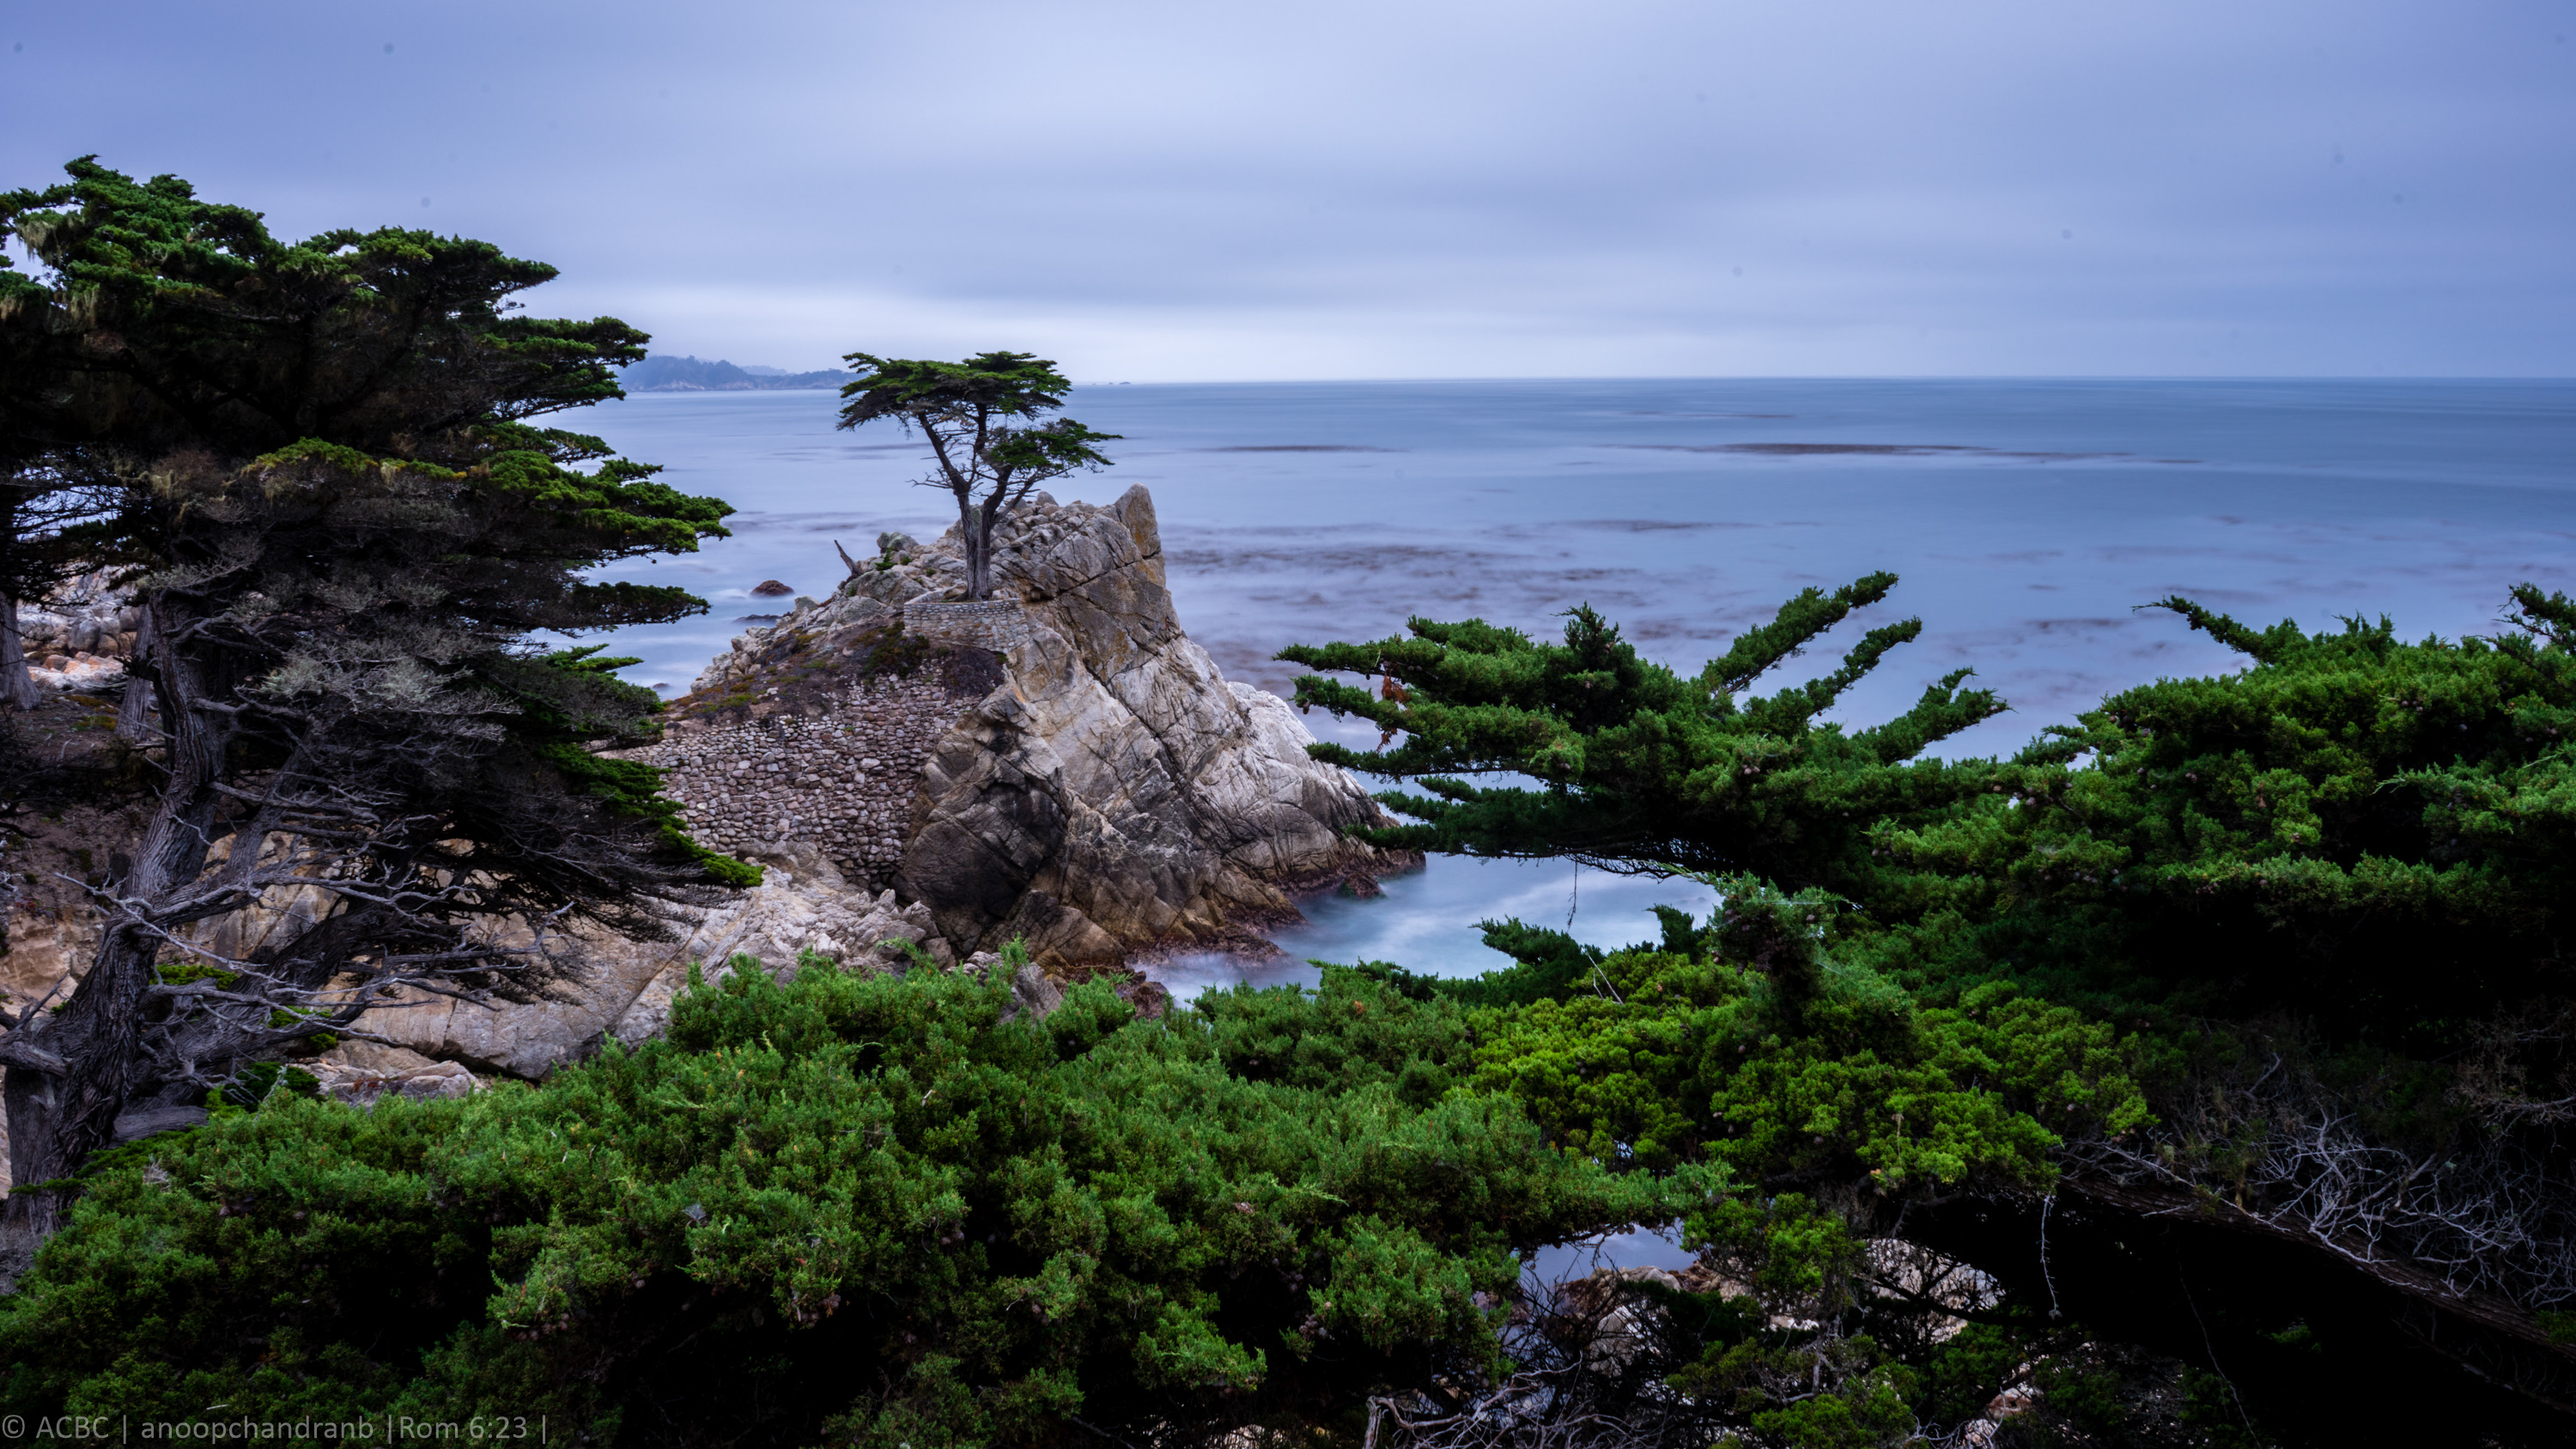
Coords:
364,1073
1032,992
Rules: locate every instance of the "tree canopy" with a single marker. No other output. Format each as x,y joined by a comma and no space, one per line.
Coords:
171,322
321,477
969,413
1645,768
2239,831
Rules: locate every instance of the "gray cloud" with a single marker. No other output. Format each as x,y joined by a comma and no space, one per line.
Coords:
1348,190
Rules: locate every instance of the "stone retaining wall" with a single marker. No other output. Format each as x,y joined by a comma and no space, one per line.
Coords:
996,624
842,778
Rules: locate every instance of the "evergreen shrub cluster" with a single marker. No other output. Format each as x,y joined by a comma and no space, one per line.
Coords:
853,1209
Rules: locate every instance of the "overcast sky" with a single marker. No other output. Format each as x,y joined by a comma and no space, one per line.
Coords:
1403,189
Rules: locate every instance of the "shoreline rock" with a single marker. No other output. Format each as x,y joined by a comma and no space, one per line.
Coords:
1086,778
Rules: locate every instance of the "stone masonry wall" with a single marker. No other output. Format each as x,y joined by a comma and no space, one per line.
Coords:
842,777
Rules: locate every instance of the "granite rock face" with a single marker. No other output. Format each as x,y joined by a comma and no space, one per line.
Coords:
1110,791
801,905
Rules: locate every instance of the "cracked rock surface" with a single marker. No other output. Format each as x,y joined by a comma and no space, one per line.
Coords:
1076,772
801,905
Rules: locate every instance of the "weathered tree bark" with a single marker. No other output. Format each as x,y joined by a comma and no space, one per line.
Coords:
2482,1332
72,1071
978,532
134,712
17,686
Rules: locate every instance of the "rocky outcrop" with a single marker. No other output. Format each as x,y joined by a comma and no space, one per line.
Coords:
1086,780
365,1073
424,1045
80,635
626,991
46,947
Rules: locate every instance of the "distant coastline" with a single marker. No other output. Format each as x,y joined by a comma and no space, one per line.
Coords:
691,374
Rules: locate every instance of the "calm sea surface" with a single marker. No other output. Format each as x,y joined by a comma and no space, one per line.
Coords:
2027,521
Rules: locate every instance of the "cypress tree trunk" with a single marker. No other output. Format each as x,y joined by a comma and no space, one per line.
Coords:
71,1072
975,530
134,712
17,686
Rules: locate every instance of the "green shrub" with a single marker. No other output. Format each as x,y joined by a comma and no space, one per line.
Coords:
1354,1030
1825,1070
871,1209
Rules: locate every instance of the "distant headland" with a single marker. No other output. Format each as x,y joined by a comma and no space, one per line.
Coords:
690,374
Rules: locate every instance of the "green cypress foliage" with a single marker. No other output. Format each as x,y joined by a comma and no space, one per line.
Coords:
2285,943
320,471
172,322
979,419
1639,765
852,1209
2369,831
2383,816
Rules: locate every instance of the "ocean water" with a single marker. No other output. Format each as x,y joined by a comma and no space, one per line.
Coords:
2028,522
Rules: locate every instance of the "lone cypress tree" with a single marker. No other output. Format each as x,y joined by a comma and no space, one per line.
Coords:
346,532
965,410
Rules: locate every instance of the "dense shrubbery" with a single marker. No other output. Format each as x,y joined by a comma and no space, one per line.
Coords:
856,1208
863,1209
1711,1049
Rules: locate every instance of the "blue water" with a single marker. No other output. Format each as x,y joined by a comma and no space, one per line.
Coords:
2033,521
